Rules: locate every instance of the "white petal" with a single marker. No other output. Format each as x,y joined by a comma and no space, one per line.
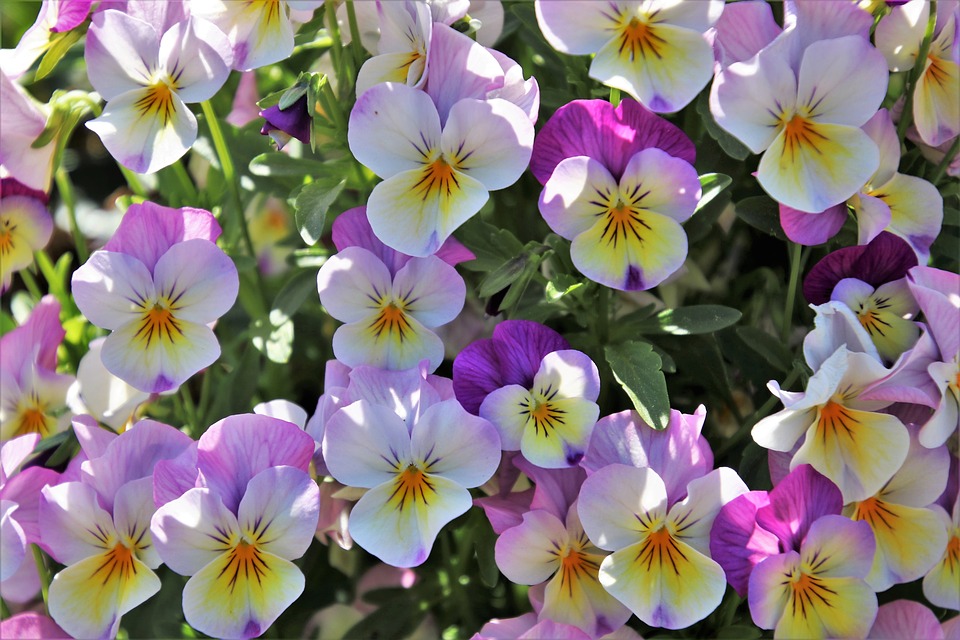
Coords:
109,288
121,53
489,140
199,279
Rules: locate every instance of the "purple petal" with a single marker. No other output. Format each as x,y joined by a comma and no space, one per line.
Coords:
800,499
507,511
239,447
174,477
887,257
42,331
905,619
24,488
148,230
511,356
293,121
556,489
459,68
93,438
596,129
30,625
811,229
938,294
737,543
352,229
742,30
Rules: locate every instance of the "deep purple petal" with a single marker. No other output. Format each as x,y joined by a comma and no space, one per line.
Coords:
887,257
13,187
800,499
294,120
811,229
596,129
737,543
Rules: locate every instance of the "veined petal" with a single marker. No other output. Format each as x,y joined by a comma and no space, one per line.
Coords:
575,596
940,583
87,598
489,140
241,593
692,518
261,33
27,227
569,374
415,211
883,132
13,542
909,541
432,291
656,181
743,30
72,525
109,287
198,55
122,53
453,444
906,619
157,357
193,530
398,521
387,342
618,505
280,510
199,280
146,129
148,230
858,450
664,581
738,543
352,283
945,419
846,91
132,509
916,210
576,27
576,193
873,216
936,111
393,128
505,409
812,166
365,444
630,250
460,68
663,66
557,432
836,546
404,67
796,502
527,553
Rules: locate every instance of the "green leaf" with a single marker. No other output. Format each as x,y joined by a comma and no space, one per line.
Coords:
391,621
687,321
312,205
771,349
60,43
492,245
739,632
274,338
295,292
274,163
561,285
730,145
711,185
503,276
636,368
291,95
762,213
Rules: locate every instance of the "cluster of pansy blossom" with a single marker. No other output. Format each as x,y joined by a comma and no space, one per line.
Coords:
144,418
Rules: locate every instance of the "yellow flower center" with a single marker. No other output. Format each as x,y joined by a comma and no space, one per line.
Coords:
639,39
411,486
157,102
158,323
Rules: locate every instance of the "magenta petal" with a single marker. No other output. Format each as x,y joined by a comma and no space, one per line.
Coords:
511,356
887,257
594,128
42,331
811,229
239,447
71,13
799,500
737,543
148,230
30,625
174,477
352,229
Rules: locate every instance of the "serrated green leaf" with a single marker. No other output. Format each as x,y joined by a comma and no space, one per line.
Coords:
712,185
761,213
687,321
60,43
312,205
637,368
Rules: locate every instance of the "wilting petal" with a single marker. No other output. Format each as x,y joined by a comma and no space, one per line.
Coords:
193,530
227,601
199,55
400,529
906,618
490,140
664,71
72,525
615,499
121,53
88,598
281,508
146,129
455,445
109,287
527,553
363,443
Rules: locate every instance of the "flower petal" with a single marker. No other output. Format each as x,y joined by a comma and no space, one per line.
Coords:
352,283
72,525
109,287
396,348
577,27
614,499
121,53
455,445
193,530
199,55
280,509
459,68
527,553
199,279
364,443
432,290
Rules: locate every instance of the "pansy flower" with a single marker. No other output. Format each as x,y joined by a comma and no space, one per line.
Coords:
253,510
940,583
157,284
22,121
406,29
147,77
25,227
623,213
655,50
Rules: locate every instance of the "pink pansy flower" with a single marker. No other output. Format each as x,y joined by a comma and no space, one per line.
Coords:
818,591
909,534
439,161
805,120
33,397
389,312
22,122
938,294
147,76
417,455
157,284
936,110
100,528
655,50
56,16
253,511
907,206
660,567
622,212
25,227
260,33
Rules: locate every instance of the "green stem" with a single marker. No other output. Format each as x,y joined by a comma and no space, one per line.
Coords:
755,417
603,315
43,572
615,97
31,284
134,182
189,189
65,187
336,49
4,610
795,253
355,43
919,67
189,408
945,163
